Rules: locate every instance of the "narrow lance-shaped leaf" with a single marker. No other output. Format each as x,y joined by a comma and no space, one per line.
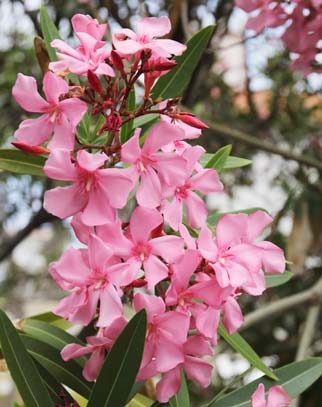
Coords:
295,378
275,280
127,127
49,31
50,334
238,343
121,366
174,83
20,162
21,366
181,399
218,159
68,373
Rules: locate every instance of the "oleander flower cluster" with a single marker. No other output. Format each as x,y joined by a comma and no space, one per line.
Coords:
302,22
137,206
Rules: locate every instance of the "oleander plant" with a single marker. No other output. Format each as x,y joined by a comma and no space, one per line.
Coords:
155,280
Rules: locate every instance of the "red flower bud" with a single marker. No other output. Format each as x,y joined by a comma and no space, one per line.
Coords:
140,282
117,62
159,65
94,82
191,120
39,150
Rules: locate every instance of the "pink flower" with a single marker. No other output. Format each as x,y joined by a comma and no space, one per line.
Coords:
90,55
234,255
95,191
96,345
167,332
139,249
196,369
59,117
182,193
98,280
127,42
151,166
277,397
82,23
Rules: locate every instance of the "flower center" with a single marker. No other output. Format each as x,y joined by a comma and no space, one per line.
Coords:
54,114
182,191
142,251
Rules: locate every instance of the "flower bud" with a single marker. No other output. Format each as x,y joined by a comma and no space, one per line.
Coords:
117,62
38,150
191,120
94,81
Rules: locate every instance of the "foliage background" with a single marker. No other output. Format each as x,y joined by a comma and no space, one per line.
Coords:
242,83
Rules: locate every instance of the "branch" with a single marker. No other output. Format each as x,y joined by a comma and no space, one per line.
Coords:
37,220
263,145
311,295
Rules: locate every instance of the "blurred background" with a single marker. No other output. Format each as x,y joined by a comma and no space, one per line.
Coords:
272,116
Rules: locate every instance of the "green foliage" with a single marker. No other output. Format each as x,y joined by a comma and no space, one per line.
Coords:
20,162
295,378
275,280
174,83
127,128
222,160
68,373
22,367
181,399
238,343
49,31
117,376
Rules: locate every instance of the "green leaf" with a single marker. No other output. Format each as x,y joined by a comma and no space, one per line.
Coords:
235,162
50,334
117,376
181,399
295,378
144,120
22,367
238,343
214,217
52,319
55,389
49,31
21,163
68,373
174,83
217,160
128,127
275,280
140,401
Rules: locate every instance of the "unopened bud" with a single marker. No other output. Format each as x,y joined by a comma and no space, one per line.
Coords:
94,81
191,120
117,62
38,150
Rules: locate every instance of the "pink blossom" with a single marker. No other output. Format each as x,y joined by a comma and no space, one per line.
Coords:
235,256
90,55
99,279
97,346
86,24
59,117
167,332
182,193
127,42
277,397
151,166
196,369
139,249
95,191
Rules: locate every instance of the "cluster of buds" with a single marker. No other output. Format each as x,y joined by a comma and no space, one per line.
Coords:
163,257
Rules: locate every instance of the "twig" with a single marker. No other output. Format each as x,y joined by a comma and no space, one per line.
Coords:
264,145
307,337
311,295
37,220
